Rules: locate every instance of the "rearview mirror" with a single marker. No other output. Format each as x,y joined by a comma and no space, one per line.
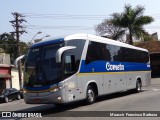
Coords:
60,52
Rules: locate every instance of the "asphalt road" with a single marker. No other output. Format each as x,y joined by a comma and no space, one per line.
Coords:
147,100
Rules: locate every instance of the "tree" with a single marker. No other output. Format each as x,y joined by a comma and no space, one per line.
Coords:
132,19
108,29
8,44
23,47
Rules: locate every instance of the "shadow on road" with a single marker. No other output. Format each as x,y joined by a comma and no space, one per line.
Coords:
116,95
51,110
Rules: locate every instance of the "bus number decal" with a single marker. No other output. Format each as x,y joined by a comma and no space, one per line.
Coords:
70,97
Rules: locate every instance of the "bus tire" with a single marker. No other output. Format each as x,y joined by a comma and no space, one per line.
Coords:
90,95
138,86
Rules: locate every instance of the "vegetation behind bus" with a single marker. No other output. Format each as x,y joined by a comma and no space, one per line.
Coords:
131,19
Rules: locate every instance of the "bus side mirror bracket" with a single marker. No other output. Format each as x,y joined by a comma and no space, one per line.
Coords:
60,52
17,59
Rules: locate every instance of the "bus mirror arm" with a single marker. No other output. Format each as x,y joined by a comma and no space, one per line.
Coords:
60,52
17,59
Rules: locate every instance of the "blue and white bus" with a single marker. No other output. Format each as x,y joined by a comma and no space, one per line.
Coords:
83,66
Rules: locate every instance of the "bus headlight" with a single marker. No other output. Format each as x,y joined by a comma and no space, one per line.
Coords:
59,98
24,91
57,88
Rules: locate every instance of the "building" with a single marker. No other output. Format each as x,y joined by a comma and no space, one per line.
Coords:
5,71
155,63
8,76
154,36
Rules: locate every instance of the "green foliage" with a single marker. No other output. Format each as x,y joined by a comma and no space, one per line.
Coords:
23,48
132,19
8,44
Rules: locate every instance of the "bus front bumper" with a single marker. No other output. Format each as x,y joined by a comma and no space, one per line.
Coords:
44,98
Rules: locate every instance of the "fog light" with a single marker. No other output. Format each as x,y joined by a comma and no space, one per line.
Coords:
59,98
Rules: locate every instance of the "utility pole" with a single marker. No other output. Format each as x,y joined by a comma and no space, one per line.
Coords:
18,31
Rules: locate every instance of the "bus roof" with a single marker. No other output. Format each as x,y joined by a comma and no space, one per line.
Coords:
48,42
86,36
102,40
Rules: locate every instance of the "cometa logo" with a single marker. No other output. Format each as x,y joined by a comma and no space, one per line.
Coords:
114,67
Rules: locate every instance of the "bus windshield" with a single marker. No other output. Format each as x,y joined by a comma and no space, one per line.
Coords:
41,68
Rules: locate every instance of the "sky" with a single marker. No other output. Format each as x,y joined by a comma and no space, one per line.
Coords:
62,17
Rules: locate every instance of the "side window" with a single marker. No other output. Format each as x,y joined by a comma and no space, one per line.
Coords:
72,57
92,52
119,53
79,49
143,57
129,55
69,64
146,57
97,51
110,52
132,55
106,52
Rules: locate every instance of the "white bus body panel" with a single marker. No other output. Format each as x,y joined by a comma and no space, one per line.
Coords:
108,82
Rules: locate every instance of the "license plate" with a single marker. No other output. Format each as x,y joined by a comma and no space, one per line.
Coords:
37,100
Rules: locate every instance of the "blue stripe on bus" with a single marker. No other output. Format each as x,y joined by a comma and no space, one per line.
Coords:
44,43
37,88
102,66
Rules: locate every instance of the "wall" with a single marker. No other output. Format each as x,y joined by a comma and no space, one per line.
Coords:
15,79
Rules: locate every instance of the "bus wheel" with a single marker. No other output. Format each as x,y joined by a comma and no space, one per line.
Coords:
138,86
90,96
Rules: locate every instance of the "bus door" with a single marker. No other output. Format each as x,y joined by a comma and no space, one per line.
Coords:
70,74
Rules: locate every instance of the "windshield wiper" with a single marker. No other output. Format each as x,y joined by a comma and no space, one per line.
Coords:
32,76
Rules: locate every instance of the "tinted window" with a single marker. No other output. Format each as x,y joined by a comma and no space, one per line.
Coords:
118,54
131,55
72,57
79,48
111,52
98,51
